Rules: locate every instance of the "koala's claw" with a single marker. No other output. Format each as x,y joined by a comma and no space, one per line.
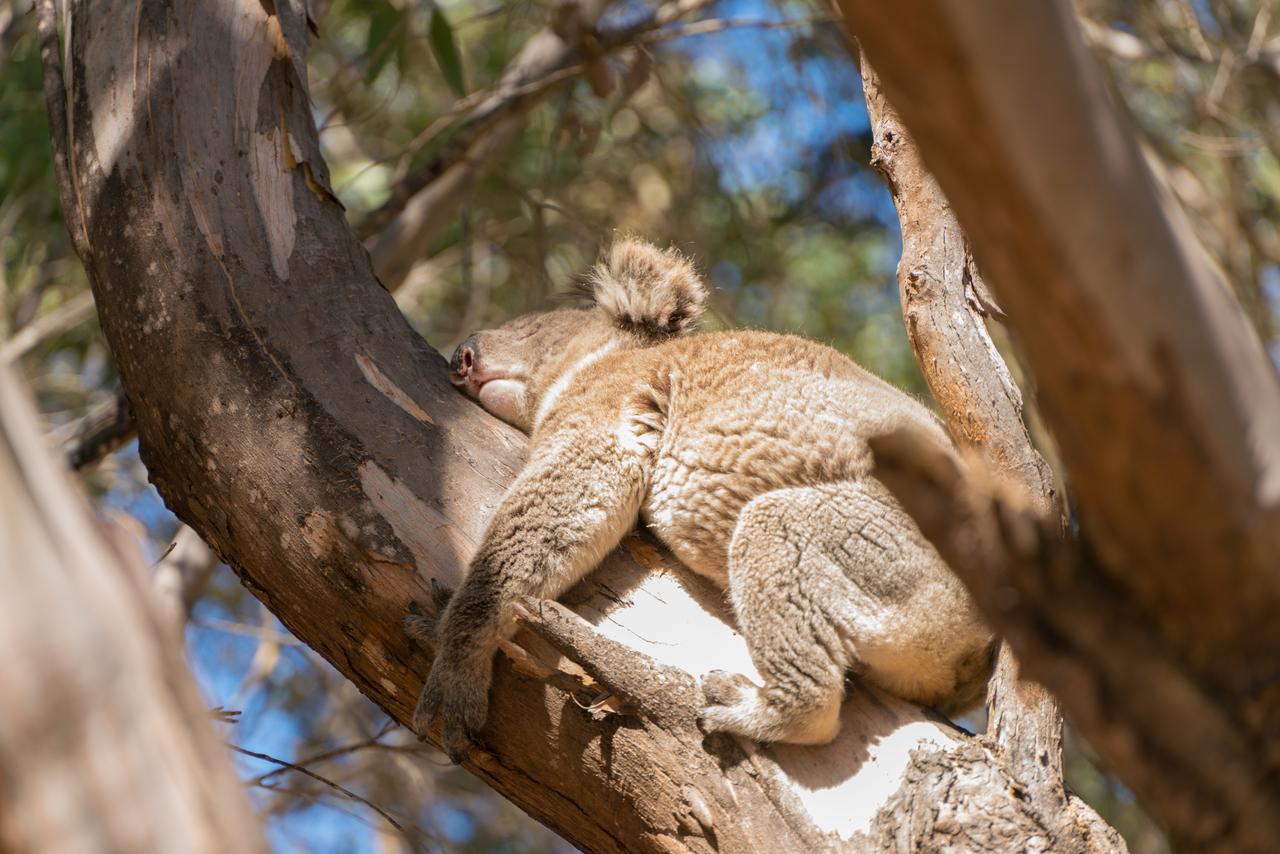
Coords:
461,701
426,627
722,688
440,595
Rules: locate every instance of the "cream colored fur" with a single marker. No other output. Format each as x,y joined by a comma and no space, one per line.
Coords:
745,452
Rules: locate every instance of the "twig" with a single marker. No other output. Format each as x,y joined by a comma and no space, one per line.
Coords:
181,575
373,741
342,86
290,766
1118,43
67,316
1192,24
55,101
513,94
719,25
105,429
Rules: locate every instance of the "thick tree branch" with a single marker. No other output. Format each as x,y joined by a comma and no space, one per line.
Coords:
944,306
429,197
1164,406
104,742
289,414
1079,631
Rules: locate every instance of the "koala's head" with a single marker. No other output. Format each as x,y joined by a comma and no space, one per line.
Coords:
640,296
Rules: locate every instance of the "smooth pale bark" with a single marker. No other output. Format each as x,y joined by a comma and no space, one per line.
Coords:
1163,642
289,414
104,742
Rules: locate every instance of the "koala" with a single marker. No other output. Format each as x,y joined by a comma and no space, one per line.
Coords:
745,452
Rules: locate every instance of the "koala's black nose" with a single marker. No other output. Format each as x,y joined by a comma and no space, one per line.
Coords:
464,357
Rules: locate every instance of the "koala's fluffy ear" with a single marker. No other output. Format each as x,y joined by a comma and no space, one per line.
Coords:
656,292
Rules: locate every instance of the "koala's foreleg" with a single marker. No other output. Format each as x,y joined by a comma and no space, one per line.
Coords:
574,501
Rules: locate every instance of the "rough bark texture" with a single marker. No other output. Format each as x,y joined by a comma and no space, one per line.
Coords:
288,413
104,743
1162,401
944,306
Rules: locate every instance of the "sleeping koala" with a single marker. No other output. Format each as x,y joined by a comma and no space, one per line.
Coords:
745,453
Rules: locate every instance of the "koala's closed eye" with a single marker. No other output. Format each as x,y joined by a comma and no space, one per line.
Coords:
745,452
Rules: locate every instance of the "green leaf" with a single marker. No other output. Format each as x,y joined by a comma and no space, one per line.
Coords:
446,52
382,20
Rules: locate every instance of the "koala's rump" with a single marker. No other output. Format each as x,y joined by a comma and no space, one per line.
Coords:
749,412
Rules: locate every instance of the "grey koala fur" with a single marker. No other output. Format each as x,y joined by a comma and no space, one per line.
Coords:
745,452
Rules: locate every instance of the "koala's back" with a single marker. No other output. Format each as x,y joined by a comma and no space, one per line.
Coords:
731,415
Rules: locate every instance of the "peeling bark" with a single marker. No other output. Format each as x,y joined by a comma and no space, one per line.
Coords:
1164,406
288,413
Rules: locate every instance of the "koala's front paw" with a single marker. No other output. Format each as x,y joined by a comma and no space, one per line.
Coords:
460,695
728,696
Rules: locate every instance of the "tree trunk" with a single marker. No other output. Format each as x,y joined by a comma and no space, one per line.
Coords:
289,414
1158,631
104,743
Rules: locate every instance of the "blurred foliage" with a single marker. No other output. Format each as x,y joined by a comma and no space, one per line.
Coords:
1200,78
746,146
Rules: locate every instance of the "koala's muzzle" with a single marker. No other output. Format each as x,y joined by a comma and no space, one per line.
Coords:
464,358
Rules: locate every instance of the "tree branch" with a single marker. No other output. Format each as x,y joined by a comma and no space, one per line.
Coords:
105,429
1062,614
1162,401
104,742
429,196
65,317
944,305
337,787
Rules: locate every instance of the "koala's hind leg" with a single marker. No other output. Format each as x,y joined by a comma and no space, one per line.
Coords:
781,578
